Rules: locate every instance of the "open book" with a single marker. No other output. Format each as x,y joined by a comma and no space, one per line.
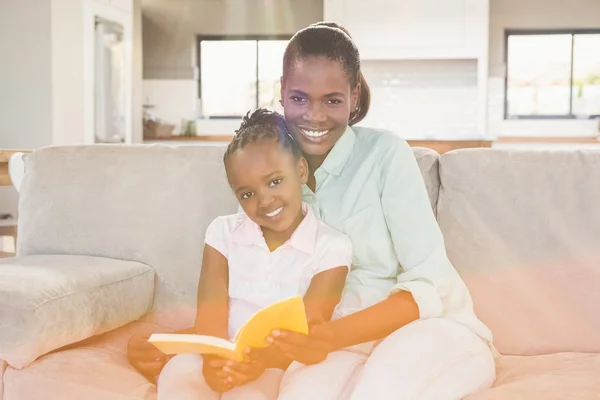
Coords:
288,314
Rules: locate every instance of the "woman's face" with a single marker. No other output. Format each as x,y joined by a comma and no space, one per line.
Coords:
317,102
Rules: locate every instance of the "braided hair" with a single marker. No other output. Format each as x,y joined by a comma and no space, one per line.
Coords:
262,125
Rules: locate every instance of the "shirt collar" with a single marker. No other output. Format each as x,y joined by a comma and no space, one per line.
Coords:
338,156
304,238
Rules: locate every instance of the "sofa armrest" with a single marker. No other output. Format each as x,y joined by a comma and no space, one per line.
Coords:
50,301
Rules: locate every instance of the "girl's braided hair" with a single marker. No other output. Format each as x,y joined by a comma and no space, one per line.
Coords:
262,125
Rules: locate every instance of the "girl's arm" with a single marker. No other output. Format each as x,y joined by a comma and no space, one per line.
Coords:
213,295
323,294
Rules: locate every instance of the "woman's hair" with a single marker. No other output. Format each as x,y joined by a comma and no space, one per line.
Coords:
262,125
330,40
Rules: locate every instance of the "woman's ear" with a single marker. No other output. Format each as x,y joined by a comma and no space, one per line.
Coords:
303,170
355,96
281,90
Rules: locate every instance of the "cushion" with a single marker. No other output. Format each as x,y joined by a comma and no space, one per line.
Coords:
3,366
560,376
96,369
47,302
522,228
145,203
428,163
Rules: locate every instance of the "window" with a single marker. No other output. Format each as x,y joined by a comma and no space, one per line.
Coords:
552,74
239,74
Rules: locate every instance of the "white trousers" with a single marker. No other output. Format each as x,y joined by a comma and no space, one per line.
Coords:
433,359
182,379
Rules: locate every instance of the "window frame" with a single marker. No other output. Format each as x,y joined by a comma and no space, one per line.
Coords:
525,32
257,38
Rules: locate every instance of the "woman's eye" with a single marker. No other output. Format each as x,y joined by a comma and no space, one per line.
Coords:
247,195
335,101
275,182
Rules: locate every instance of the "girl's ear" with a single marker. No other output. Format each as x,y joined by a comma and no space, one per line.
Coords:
303,170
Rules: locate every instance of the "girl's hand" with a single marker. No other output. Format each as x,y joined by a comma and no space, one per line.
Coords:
311,349
145,357
240,373
212,370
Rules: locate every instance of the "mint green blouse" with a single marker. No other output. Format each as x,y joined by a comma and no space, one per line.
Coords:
370,187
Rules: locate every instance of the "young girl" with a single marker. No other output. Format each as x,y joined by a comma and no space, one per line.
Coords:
274,250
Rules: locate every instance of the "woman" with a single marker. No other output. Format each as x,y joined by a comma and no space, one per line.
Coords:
405,327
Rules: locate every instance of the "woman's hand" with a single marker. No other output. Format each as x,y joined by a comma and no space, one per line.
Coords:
145,357
306,349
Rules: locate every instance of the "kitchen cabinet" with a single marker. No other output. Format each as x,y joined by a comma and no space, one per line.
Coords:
123,5
413,29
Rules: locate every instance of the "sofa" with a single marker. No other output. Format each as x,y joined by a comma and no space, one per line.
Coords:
110,243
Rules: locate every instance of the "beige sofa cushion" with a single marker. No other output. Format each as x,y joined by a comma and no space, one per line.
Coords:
145,203
428,163
3,366
96,369
558,376
47,302
523,230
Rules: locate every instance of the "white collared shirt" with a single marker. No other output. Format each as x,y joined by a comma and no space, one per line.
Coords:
259,277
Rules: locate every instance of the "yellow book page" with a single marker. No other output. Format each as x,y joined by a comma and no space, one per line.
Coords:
288,314
173,343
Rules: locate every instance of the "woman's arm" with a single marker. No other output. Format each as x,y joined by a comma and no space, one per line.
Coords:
375,322
372,323
420,250
425,275
213,295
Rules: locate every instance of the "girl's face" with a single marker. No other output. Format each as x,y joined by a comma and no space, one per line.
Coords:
317,100
267,181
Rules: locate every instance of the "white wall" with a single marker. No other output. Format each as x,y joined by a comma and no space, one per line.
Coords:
25,74
67,72
25,81
424,99
138,67
42,77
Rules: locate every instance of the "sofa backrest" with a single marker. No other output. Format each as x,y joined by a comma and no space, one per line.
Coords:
147,203
428,161
523,230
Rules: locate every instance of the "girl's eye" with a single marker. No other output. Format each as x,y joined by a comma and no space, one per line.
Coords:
275,182
334,101
246,195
